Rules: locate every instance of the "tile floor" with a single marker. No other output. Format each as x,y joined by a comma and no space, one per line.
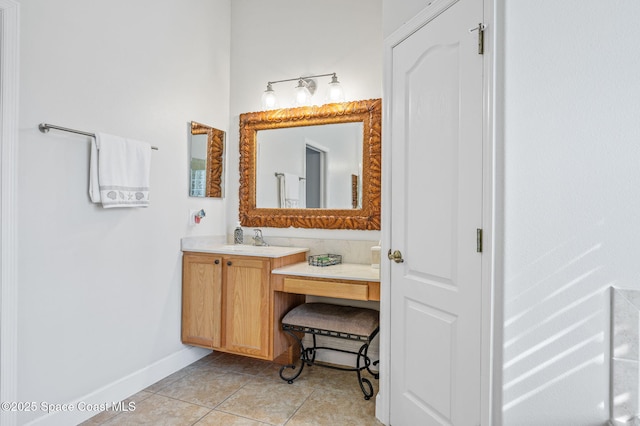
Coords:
223,389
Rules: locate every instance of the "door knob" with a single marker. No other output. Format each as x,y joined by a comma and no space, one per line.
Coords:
396,256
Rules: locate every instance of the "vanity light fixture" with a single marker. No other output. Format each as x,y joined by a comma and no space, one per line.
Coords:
269,99
304,91
335,93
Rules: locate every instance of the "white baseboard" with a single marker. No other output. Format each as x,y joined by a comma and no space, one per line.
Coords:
123,388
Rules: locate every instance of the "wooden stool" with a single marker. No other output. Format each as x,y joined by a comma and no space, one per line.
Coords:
344,322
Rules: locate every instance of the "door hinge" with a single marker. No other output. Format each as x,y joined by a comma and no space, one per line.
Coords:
479,240
480,29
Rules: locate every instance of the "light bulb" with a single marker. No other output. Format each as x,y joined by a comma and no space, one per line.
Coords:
302,94
269,99
335,92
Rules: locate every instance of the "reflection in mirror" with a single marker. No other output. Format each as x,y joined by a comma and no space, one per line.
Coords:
317,170
206,149
346,175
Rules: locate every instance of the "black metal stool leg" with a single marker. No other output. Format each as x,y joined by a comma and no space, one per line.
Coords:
303,359
362,354
375,375
310,355
369,363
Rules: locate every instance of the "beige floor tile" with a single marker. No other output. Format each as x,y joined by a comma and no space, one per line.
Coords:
99,418
321,377
335,407
198,365
206,387
103,416
218,418
154,388
248,392
266,400
158,410
213,355
240,364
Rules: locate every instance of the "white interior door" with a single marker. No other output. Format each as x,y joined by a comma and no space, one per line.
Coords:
436,197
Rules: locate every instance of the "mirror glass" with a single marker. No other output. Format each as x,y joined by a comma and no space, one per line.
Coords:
312,167
206,159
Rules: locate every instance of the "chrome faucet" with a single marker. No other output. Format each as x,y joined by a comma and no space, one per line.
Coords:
257,238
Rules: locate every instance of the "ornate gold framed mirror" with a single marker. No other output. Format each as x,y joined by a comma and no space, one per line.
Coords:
333,151
206,152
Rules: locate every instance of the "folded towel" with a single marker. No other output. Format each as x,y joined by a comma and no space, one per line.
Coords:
119,171
291,190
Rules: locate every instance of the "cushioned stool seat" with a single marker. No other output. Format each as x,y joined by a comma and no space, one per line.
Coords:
344,322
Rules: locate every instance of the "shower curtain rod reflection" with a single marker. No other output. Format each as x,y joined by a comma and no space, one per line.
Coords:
44,128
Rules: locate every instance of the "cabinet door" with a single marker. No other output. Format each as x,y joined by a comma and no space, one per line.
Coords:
202,300
247,306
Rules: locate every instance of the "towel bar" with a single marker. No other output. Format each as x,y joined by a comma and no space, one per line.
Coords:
282,175
44,128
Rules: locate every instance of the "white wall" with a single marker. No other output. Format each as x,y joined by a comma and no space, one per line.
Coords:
397,13
272,144
282,39
99,289
572,200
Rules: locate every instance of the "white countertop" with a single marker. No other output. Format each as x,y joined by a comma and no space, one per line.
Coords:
343,271
206,245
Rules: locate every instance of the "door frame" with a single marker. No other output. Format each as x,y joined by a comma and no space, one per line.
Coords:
492,200
9,60
324,153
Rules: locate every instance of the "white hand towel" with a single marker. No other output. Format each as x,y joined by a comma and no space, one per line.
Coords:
291,190
119,171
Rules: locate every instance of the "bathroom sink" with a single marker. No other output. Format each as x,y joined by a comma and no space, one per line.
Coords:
207,245
264,251
248,248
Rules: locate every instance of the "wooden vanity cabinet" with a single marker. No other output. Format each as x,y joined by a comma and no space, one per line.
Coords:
247,305
228,303
202,300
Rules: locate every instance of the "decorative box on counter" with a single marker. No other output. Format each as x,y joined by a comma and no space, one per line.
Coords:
325,259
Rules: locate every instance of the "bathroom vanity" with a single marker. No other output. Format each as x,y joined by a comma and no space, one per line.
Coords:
234,296
227,301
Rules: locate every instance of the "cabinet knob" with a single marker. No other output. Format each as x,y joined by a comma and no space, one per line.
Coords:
217,261
229,263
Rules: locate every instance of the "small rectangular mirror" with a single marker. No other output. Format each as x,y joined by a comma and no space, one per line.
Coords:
206,160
